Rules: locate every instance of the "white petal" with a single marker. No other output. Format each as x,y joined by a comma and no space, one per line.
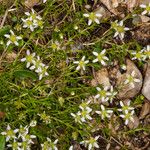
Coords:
144,12
12,32
116,34
98,15
98,112
7,35
40,76
90,147
95,53
126,122
137,80
97,21
89,22
78,68
97,96
86,15
95,60
32,67
143,6
8,43
23,59
28,52
103,51
16,43
28,65
102,107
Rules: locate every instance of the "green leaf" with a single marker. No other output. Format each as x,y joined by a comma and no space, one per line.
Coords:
25,74
4,30
2,142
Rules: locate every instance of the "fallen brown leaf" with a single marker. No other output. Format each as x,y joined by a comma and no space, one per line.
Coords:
31,3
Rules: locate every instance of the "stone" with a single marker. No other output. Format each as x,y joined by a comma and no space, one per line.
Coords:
145,110
146,85
101,77
126,91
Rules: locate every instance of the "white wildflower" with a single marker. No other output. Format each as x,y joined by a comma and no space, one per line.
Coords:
138,55
9,133
125,108
49,145
100,57
29,58
77,117
81,63
119,28
128,116
91,143
13,39
146,52
93,17
102,94
111,94
15,145
147,9
131,80
104,112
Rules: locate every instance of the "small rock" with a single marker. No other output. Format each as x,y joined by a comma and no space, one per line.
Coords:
101,77
145,110
146,85
126,91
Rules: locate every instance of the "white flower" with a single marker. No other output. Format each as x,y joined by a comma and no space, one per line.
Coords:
138,55
13,39
102,94
111,94
28,23
9,133
85,115
100,57
25,145
91,143
119,28
104,113
49,145
15,145
28,138
37,64
81,63
125,108
128,116
77,117
93,17
42,72
84,105
147,9
131,79
32,21
146,51
23,131
29,58
33,123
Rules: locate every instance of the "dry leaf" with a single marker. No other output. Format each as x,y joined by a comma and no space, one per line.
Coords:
31,3
132,4
145,110
2,114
